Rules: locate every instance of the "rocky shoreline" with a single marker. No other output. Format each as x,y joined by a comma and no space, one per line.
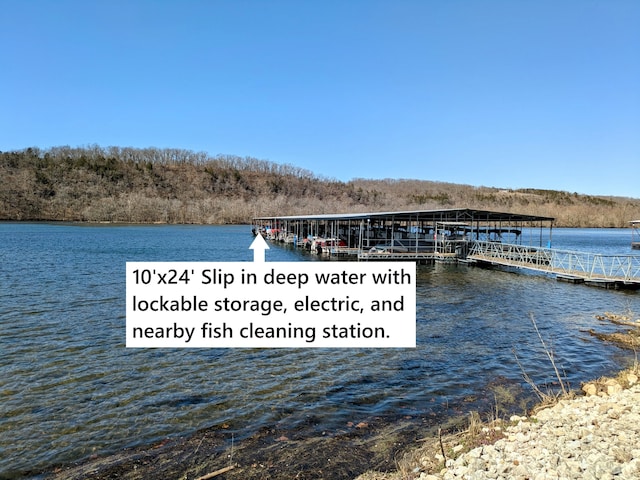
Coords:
594,436
590,437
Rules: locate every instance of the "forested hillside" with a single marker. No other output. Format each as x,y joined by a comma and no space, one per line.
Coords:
121,184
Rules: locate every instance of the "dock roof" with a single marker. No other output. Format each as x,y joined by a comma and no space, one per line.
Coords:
446,215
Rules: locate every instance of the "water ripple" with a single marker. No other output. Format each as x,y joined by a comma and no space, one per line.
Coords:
69,388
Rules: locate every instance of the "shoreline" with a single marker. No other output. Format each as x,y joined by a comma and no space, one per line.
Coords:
382,451
367,449
273,452
594,435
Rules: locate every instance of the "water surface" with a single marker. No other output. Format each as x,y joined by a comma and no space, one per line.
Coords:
69,388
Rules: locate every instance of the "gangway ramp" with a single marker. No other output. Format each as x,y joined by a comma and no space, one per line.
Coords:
611,271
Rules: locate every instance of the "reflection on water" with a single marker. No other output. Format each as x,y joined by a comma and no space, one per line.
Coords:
69,388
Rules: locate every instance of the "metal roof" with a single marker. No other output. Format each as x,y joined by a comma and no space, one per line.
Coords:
448,215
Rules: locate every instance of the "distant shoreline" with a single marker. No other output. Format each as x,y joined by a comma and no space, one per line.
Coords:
155,186
240,224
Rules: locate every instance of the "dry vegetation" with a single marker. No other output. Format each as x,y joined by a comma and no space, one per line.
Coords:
121,184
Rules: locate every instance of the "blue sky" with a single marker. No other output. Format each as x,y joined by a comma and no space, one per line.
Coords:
510,94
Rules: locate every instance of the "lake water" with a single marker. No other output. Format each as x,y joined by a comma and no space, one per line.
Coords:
69,388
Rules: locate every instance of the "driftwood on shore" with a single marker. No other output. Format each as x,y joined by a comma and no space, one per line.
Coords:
216,473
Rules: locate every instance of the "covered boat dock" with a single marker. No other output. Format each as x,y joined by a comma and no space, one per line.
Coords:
481,237
420,235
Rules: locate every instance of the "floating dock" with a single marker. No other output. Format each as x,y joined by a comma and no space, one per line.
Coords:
481,237
607,271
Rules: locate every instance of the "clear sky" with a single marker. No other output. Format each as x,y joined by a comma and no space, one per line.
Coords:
510,93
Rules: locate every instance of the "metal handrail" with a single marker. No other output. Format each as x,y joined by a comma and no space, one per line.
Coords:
590,266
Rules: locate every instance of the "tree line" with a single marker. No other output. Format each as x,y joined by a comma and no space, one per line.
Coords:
153,185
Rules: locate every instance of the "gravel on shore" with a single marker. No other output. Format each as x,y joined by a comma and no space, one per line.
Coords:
595,436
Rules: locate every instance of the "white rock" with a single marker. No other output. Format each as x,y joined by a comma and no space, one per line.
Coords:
475,453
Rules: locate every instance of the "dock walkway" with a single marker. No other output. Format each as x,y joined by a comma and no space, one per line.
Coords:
605,270
452,235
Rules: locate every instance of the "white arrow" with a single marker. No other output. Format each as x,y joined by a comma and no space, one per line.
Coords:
258,246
